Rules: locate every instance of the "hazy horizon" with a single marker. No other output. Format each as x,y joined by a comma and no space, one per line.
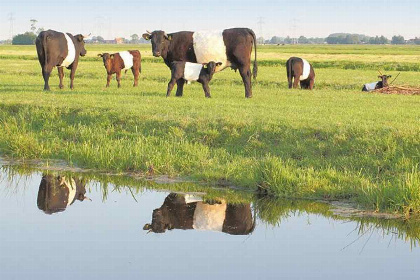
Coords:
311,18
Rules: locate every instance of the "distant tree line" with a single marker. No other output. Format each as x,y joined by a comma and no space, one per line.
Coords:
340,38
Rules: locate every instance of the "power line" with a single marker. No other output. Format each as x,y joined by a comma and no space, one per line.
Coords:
260,23
11,20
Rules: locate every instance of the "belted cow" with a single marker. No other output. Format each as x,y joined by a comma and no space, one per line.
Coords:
377,85
202,73
120,61
57,192
300,71
232,47
190,212
61,50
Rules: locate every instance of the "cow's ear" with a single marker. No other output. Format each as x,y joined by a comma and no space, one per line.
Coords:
147,227
204,65
100,54
79,37
147,36
219,63
380,77
169,37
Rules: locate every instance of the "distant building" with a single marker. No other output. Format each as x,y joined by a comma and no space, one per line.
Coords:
119,40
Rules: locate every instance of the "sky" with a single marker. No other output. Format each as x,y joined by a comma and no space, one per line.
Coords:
310,18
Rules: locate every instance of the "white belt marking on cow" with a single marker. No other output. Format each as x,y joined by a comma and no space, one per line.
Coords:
192,71
189,198
71,54
71,185
127,57
209,217
209,46
306,70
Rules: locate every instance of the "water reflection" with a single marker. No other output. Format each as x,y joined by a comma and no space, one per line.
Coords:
57,192
185,211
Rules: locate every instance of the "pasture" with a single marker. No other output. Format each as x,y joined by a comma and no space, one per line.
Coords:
331,143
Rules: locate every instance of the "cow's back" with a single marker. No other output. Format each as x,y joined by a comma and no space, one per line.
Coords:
51,47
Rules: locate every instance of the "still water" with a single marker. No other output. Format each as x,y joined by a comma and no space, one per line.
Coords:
60,226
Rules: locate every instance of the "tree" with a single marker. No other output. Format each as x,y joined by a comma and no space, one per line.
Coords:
134,39
303,40
28,38
397,40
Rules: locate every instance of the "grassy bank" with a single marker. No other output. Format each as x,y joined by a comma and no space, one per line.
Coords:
332,143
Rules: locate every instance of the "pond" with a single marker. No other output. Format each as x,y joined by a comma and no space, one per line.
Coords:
72,226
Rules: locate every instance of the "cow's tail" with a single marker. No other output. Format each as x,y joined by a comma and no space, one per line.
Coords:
289,71
44,45
255,66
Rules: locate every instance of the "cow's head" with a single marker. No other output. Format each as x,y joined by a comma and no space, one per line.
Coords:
160,222
384,79
211,67
107,59
80,44
160,42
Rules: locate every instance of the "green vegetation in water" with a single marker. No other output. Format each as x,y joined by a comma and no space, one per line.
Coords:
332,143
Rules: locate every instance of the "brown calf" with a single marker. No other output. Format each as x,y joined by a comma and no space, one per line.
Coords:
116,62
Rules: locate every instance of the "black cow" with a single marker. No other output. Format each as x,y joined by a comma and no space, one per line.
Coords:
300,71
187,212
57,192
187,71
232,47
377,85
61,50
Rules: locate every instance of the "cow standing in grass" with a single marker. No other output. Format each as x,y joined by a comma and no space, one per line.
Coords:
300,71
187,71
61,50
122,61
232,47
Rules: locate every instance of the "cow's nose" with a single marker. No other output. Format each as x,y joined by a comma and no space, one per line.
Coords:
157,54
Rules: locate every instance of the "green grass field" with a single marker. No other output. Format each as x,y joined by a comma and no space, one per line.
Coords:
332,143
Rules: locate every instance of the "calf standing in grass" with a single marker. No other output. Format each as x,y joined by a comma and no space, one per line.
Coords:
117,62
301,71
187,71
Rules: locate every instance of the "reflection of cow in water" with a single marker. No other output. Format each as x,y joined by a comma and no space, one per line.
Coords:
57,192
188,212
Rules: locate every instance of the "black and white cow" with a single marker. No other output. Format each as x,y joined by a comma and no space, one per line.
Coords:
181,211
232,47
57,192
188,71
377,85
61,50
299,70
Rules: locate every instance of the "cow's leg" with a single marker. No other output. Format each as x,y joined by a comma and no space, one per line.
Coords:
46,72
108,79
171,85
72,74
180,87
60,75
246,78
311,84
296,81
206,89
119,78
135,71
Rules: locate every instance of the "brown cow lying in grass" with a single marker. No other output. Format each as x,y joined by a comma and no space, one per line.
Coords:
116,62
187,71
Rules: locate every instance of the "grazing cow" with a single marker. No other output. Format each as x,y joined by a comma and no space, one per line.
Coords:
232,47
57,192
117,62
376,85
301,71
190,212
61,50
187,71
